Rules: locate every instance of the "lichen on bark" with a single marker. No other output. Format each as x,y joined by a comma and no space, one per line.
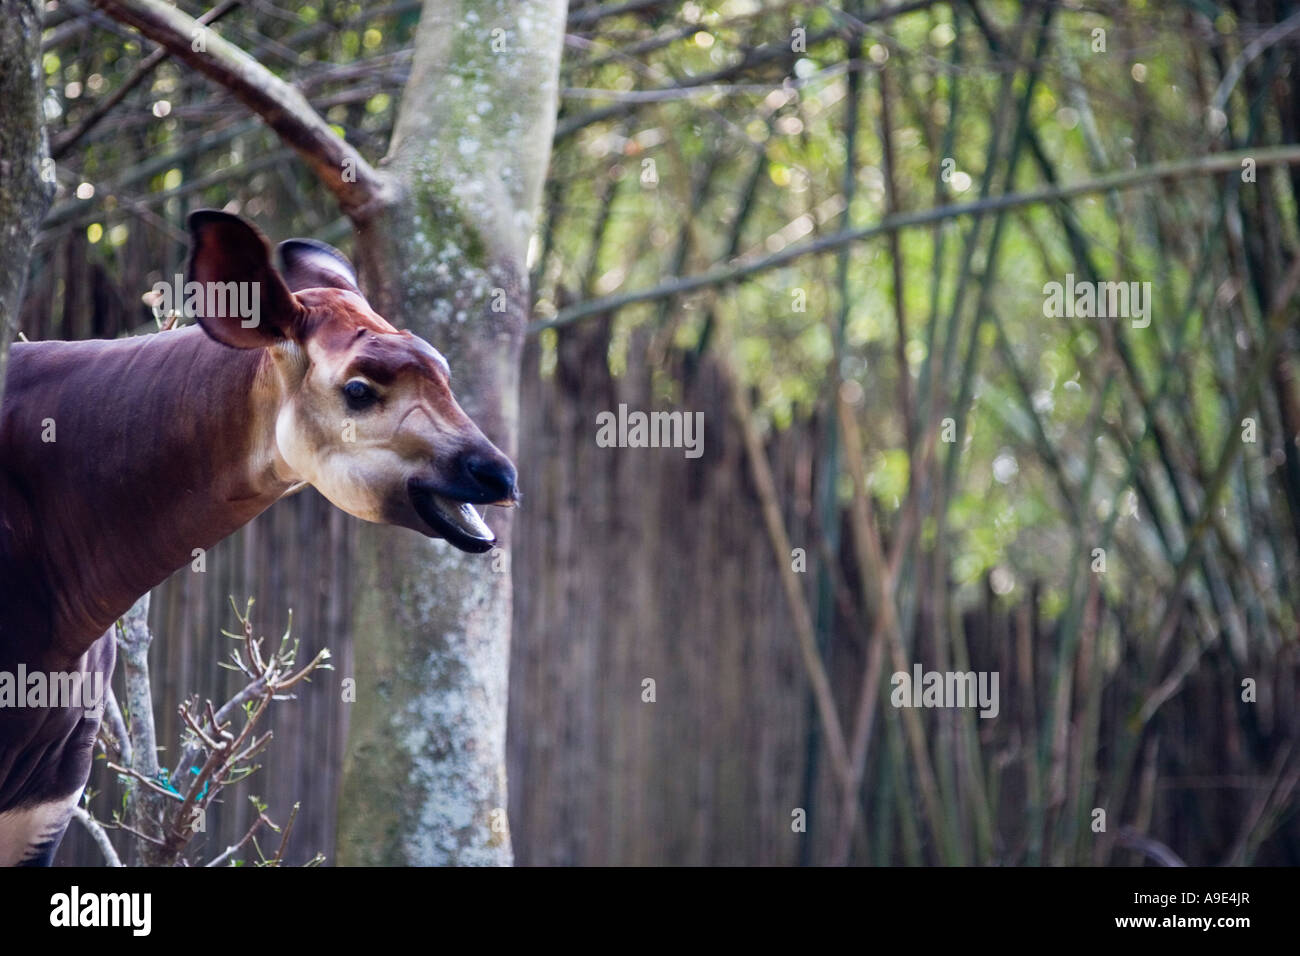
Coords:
26,180
424,777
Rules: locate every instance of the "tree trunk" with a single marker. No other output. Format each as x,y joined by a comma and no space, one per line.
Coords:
424,778
24,193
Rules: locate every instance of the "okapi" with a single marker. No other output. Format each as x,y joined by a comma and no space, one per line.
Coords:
119,458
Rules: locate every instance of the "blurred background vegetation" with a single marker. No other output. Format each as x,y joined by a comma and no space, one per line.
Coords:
736,222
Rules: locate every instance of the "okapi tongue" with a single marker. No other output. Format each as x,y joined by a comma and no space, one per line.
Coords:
463,516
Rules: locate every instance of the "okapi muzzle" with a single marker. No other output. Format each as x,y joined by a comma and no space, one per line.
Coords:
119,458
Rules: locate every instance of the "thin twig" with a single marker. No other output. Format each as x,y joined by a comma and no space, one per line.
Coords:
97,834
1126,179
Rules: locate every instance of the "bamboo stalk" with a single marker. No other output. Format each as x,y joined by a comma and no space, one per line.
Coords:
769,503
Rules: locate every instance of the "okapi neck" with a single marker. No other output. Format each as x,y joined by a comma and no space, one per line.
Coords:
121,462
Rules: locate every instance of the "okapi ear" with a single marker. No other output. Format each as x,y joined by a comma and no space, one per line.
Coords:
240,300
309,264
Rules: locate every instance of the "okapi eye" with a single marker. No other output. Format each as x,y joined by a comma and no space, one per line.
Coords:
359,394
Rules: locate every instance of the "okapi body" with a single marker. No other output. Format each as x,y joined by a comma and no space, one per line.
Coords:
119,458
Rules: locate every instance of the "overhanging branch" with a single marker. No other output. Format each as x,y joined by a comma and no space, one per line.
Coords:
357,185
64,143
743,268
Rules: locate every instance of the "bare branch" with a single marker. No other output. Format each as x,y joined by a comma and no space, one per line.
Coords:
98,835
742,268
149,782
359,187
230,851
115,726
69,139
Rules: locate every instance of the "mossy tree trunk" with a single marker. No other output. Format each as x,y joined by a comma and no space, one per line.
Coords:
442,237
24,192
424,779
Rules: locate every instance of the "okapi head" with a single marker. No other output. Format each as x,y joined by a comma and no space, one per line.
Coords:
365,412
